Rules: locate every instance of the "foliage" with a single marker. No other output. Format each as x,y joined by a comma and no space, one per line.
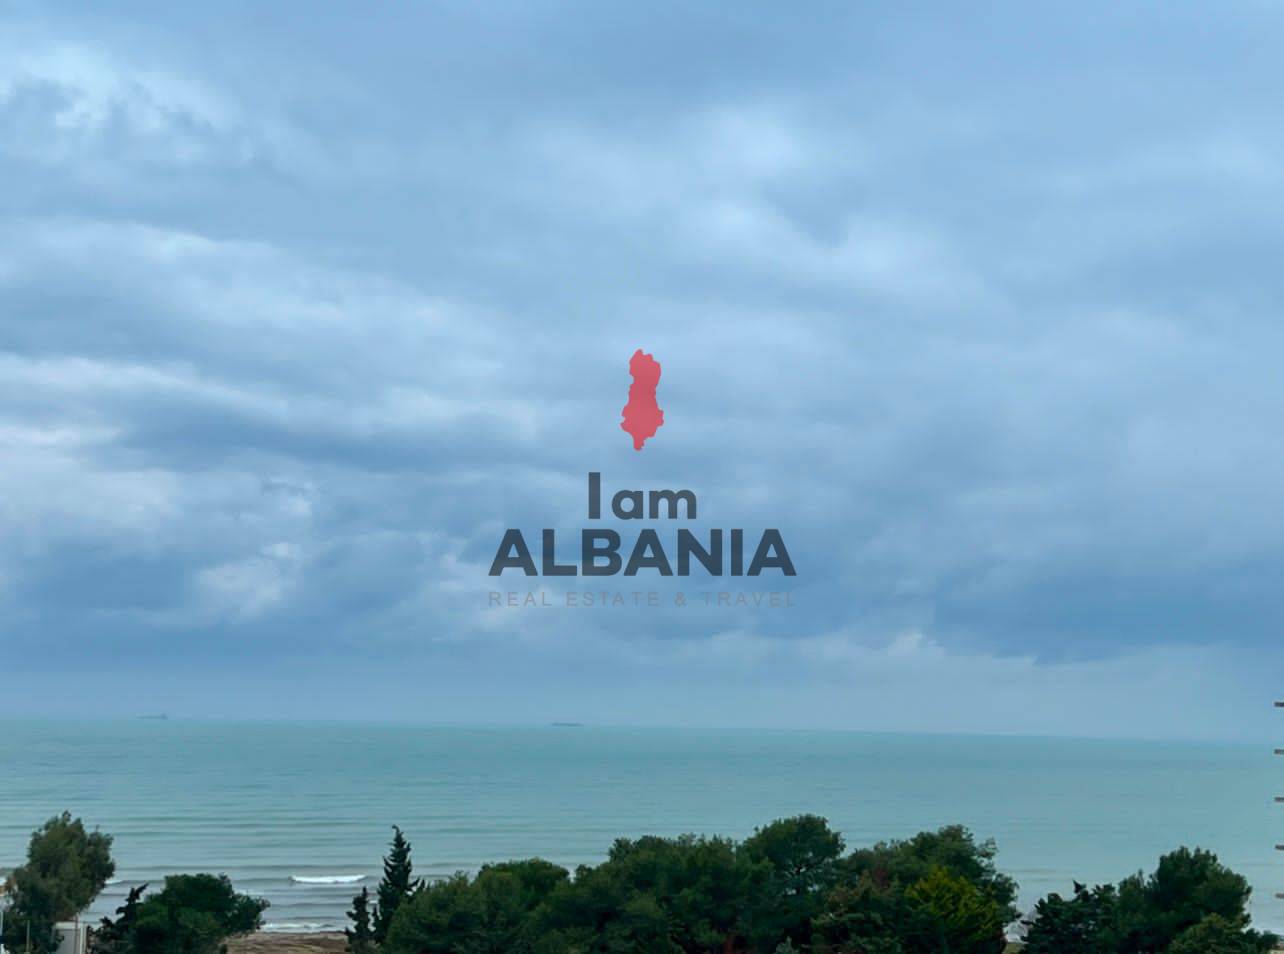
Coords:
194,914
1216,935
117,936
786,887
868,917
951,914
489,914
66,867
941,912
1190,899
397,884
1186,887
800,858
360,936
952,848
683,894
1079,925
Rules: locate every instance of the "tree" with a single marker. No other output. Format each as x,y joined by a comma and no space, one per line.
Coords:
953,915
685,894
66,868
1191,902
801,851
868,917
360,936
953,848
396,885
1216,935
800,856
489,914
117,937
194,914
1186,887
1082,924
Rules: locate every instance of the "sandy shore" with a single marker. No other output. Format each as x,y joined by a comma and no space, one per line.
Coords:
273,943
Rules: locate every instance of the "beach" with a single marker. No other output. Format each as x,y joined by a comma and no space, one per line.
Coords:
268,942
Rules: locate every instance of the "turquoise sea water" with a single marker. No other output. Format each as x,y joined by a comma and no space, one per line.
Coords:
269,804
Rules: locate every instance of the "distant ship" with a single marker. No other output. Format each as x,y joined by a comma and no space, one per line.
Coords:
162,716
568,725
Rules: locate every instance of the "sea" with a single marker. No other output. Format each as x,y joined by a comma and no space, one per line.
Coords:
301,814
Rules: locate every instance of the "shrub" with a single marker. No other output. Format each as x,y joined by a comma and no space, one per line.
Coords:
1216,935
194,914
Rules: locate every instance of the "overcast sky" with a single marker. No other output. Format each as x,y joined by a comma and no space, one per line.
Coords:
301,306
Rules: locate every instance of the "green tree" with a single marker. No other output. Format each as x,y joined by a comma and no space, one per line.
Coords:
785,888
953,916
1215,935
489,914
117,936
652,894
360,936
194,914
1190,899
66,867
953,848
1083,924
398,884
867,917
800,857
1186,887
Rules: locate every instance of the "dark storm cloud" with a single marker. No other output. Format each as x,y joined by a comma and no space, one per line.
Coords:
300,310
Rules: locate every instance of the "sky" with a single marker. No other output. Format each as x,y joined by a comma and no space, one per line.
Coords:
301,307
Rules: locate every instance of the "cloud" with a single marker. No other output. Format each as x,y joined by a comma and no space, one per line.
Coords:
291,332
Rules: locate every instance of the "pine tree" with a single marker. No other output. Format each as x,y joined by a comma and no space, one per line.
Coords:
396,885
360,937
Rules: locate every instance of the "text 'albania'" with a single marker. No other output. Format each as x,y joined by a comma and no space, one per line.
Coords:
720,553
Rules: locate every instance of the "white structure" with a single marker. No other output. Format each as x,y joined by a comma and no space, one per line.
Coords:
73,937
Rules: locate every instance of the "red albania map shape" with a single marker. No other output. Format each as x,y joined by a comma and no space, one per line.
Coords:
642,416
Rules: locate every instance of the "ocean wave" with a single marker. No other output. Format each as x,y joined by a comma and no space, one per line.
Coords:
327,879
298,927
